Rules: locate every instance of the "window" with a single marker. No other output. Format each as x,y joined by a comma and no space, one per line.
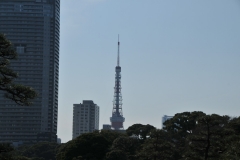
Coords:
20,49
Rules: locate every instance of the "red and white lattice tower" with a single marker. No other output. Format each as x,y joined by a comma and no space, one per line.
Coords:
117,118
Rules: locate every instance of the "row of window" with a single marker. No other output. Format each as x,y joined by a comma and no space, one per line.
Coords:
29,117
26,58
29,129
28,67
14,136
33,6
18,132
23,122
23,37
33,64
32,10
20,109
24,6
21,14
6,9
22,29
21,18
21,113
5,5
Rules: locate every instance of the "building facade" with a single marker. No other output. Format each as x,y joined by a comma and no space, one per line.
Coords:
33,28
85,118
165,118
107,127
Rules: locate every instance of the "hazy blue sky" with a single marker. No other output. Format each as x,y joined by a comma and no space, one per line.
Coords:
176,56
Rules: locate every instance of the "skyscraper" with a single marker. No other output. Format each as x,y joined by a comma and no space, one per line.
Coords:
85,118
117,118
33,28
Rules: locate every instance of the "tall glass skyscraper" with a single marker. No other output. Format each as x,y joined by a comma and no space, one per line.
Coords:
33,27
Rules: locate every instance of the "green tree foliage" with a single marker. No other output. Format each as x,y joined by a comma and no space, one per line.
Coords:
129,146
42,150
232,148
196,137
209,138
158,147
90,146
18,93
7,152
22,158
235,125
110,135
116,155
5,149
179,127
139,130
183,123
233,141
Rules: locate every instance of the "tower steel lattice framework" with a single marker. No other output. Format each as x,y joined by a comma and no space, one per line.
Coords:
117,118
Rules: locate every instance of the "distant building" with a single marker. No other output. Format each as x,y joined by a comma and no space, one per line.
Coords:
59,140
106,127
109,127
165,118
85,118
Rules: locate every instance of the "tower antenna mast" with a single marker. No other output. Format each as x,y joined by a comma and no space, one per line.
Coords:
117,118
118,58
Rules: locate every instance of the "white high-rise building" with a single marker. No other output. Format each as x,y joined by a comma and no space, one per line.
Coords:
85,118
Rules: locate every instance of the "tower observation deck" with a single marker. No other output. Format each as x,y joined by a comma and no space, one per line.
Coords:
117,118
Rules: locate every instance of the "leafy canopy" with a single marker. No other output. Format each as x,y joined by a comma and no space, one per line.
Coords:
17,92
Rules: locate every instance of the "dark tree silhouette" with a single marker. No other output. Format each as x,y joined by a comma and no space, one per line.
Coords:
17,92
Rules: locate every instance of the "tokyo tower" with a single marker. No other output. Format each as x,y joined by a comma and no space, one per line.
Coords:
117,118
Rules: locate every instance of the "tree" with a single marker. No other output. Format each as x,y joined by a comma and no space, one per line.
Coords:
158,147
88,146
43,150
232,148
5,149
183,123
139,130
209,138
22,158
128,145
180,127
234,124
110,135
116,155
18,93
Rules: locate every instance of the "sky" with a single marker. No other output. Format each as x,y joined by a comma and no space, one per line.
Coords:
176,56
